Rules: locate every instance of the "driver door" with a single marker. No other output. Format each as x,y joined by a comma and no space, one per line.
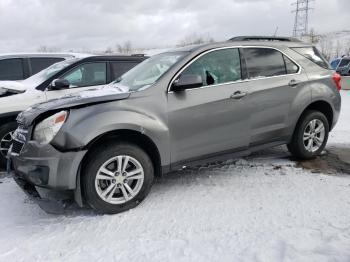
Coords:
214,118
82,77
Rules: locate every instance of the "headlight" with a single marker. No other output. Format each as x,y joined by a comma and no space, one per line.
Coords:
46,130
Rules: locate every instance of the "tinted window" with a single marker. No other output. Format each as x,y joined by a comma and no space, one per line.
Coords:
313,55
264,62
11,69
291,67
119,68
344,62
217,67
89,74
40,63
334,64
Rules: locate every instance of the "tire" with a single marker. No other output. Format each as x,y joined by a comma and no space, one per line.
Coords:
304,146
107,158
5,130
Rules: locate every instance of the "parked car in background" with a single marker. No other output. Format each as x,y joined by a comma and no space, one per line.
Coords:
19,66
58,80
342,65
181,108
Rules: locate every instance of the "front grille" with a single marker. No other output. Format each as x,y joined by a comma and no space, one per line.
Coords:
17,146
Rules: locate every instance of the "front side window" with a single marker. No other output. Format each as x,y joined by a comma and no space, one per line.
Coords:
89,74
217,67
11,69
264,62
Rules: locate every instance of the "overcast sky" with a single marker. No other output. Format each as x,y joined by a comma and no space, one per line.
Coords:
26,25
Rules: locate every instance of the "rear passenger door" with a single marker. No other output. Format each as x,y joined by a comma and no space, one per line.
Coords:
274,82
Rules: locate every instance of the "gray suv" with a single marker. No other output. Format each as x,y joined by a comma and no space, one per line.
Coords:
181,108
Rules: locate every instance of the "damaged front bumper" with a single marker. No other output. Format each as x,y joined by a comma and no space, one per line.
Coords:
48,176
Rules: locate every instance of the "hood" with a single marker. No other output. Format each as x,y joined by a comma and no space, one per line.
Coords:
85,98
12,86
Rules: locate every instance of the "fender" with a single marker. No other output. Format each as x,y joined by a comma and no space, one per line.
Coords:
87,124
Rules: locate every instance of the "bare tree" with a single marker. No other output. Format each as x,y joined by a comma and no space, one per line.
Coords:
46,49
194,39
326,46
314,38
125,48
338,49
109,50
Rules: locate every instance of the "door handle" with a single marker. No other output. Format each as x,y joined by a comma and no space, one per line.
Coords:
293,82
238,95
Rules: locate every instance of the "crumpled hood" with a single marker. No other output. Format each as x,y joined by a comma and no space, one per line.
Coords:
89,97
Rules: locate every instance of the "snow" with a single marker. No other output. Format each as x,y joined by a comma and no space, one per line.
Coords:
259,208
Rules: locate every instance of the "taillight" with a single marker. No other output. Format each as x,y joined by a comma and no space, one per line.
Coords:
337,80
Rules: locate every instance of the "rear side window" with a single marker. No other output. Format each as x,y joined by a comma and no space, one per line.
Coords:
291,67
313,55
40,63
264,62
119,68
11,69
344,62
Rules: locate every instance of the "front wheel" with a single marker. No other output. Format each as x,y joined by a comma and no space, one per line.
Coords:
310,135
117,177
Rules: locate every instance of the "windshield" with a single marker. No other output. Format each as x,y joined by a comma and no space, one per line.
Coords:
45,74
149,71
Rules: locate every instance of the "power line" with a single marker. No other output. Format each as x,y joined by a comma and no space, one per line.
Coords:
301,22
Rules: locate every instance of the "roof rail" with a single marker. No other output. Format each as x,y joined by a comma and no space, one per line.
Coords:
138,55
264,38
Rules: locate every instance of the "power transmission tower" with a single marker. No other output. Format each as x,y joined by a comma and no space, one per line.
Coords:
302,8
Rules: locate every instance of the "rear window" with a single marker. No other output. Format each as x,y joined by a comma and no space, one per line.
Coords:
313,55
40,63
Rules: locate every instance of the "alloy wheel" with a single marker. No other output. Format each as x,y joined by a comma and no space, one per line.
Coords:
314,134
5,143
119,179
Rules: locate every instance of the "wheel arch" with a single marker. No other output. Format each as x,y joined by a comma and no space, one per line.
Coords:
323,107
131,136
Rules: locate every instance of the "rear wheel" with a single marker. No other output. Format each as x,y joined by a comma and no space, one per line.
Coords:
310,135
117,177
6,133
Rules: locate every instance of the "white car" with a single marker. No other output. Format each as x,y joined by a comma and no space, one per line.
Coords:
20,66
60,79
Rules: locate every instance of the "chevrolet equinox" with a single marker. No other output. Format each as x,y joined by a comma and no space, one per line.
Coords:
103,147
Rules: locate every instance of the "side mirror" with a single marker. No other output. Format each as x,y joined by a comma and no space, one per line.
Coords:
187,81
59,84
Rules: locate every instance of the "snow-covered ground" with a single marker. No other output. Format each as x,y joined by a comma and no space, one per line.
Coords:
260,208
